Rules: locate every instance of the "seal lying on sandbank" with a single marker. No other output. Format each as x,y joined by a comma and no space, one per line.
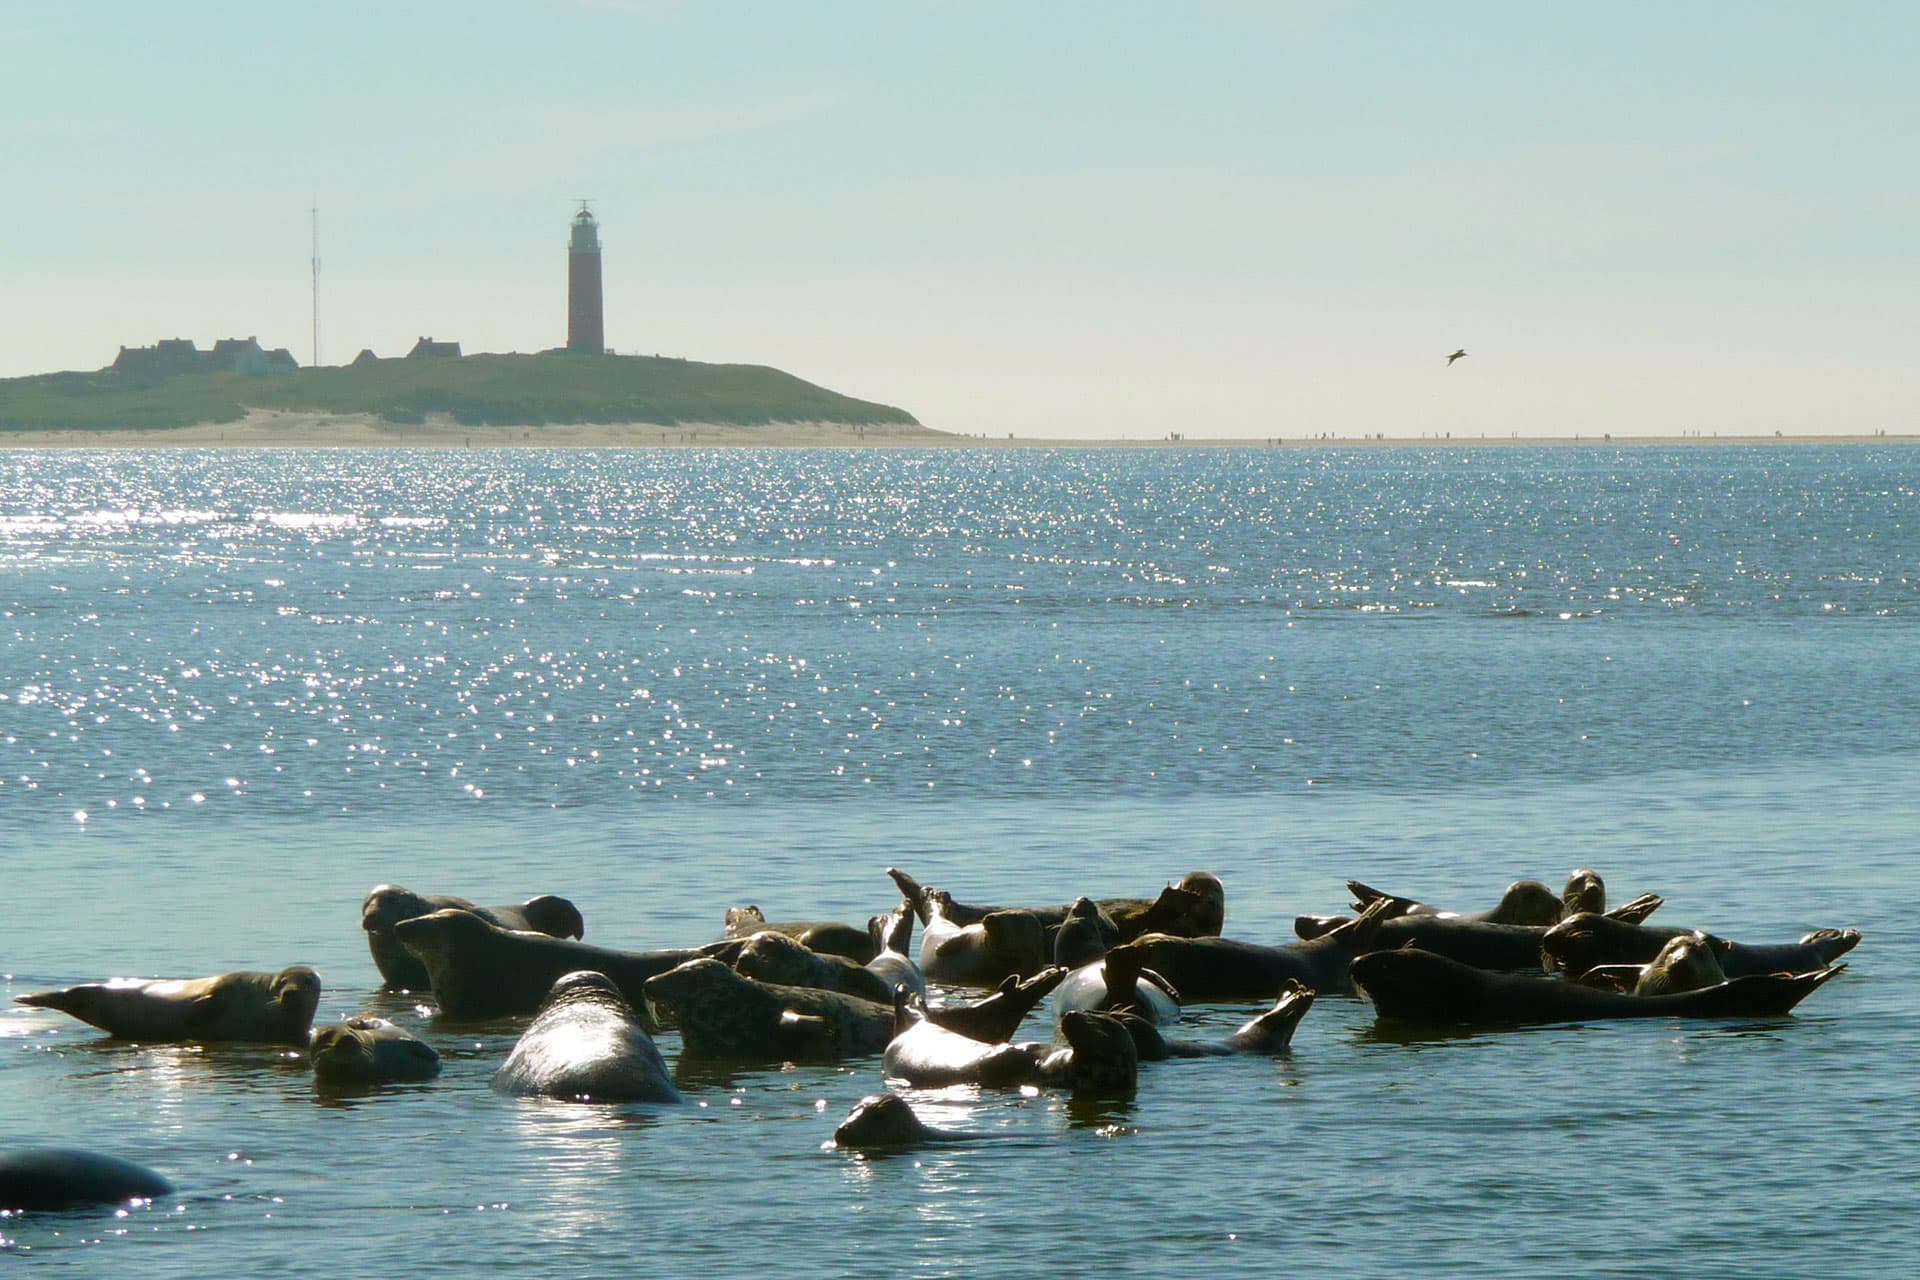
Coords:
1003,944
1525,902
389,904
370,1050
1418,986
777,958
1270,1033
1585,941
1196,907
723,1014
586,1045
883,1120
49,1179
824,936
478,970
1203,969
263,1008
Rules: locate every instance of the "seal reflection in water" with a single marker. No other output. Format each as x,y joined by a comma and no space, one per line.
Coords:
261,1008
586,1045
370,1050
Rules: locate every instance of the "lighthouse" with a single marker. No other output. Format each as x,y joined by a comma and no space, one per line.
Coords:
586,331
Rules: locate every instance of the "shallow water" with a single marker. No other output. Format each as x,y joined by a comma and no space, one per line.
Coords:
237,690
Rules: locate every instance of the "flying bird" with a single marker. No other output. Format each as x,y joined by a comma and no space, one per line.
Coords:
1455,356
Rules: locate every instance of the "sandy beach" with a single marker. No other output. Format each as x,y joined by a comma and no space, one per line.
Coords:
272,429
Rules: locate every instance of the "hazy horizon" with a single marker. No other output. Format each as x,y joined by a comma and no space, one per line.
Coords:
1229,220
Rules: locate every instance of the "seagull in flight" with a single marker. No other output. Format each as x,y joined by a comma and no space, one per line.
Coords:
1455,356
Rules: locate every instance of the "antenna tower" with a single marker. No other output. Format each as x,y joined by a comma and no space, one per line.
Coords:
316,285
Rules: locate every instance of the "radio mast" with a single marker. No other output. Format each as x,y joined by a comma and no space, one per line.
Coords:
316,285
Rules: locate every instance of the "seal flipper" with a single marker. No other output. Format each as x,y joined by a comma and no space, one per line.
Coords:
1758,995
912,890
805,1035
1637,910
1612,977
1272,1031
893,931
996,1017
1307,928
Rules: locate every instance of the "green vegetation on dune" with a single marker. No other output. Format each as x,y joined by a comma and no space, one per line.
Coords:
481,390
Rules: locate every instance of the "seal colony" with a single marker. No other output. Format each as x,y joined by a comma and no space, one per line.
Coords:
1118,969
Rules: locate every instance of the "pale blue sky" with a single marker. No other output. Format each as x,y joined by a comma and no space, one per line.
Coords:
1047,219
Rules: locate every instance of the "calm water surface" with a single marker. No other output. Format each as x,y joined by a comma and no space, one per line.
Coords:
239,689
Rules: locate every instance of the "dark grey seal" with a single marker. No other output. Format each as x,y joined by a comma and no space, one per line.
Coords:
50,1179
825,936
389,904
1584,941
723,1014
370,1050
881,1121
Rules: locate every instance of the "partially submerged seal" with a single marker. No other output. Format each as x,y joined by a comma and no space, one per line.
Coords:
723,1014
883,1120
264,1008
389,904
586,1045
50,1179
370,1050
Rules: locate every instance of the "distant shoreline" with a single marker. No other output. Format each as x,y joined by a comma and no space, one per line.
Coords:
274,429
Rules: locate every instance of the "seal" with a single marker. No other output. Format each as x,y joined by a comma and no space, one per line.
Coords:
1525,902
780,959
724,1014
1004,943
1099,1058
1195,907
996,1017
50,1179
1119,980
478,970
1270,1033
824,936
389,904
1204,969
1411,985
892,935
262,1008
923,1053
881,1121
367,1050
1686,963
586,1045
1586,940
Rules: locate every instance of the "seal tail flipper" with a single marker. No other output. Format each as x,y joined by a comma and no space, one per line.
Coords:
912,890
908,1010
896,928
1637,910
1363,931
1764,994
1272,1031
1161,981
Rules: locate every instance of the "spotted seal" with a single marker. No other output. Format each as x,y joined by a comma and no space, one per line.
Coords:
1586,940
263,1008
389,904
586,1045
724,1014
369,1050
1195,907
1098,1059
478,970
825,936
780,959
1417,986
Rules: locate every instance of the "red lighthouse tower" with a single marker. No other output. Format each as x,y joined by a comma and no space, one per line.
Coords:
586,330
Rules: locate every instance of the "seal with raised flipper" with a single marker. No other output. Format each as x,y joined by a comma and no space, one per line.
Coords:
996,1017
52,1179
389,904
727,1015
586,1045
923,1053
1270,1033
892,935
367,1050
825,936
261,1008
1099,1057
1417,986
885,1120
1203,969
1525,902
1195,907
1586,940
1109,979
478,970
1686,963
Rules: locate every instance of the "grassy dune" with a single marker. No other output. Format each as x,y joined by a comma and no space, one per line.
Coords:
482,390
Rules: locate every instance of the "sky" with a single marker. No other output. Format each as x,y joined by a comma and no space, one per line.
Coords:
1058,219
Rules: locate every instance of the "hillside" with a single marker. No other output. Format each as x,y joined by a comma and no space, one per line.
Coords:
479,390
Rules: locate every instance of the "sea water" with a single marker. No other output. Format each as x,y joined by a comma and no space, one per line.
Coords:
238,689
